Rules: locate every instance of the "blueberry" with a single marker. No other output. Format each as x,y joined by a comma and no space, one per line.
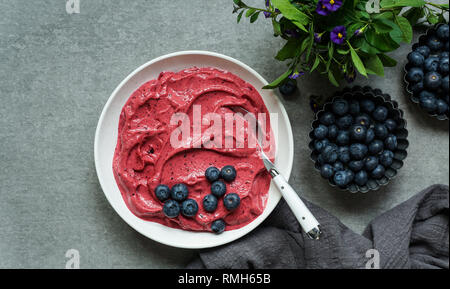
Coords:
391,142
415,74
321,132
434,43
162,192
361,178
231,201
332,131
444,54
380,113
431,64
345,122
386,158
363,119
358,132
376,147
370,163
189,208
378,172
319,145
218,226
381,131
350,175
433,80
442,106
338,166
427,101
442,32
445,84
288,88
358,151
210,203
447,46
415,58
354,107
367,105
212,174
327,118
228,173
344,154
390,124
326,171
320,159
443,65
416,87
340,107
218,188
343,137
171,209
370,136
424,50
341,178
179,192
330,154
356,166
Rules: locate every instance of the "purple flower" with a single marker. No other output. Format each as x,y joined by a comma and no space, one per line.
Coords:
338,34
322,9
267,14
317,37
332,5
296,74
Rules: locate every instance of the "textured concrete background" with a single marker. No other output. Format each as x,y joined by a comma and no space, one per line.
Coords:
56,73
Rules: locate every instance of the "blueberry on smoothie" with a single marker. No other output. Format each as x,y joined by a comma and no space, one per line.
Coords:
212,174
231,201
179,192
162,193
218,226
189,208
228,173
218,188
171,209
210,203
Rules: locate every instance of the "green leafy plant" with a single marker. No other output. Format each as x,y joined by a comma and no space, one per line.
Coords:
339,38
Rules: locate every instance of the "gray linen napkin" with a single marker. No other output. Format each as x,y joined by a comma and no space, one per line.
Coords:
414,234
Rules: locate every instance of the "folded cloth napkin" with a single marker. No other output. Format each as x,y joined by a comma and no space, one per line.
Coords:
412,235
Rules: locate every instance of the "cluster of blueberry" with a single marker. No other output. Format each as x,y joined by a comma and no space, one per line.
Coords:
427,71
176,201
218,189
354,141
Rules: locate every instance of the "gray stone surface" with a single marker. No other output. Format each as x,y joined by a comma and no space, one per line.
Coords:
56,73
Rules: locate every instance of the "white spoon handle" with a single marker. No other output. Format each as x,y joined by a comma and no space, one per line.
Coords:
306,219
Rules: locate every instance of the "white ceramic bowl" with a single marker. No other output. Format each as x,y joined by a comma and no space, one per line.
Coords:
107,132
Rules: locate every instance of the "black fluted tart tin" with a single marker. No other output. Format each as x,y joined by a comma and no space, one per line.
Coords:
412,96
401,132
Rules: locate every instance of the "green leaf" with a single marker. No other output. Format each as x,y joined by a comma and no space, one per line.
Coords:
254,17
237,2
402,3
276,27
316,63
357,62
343,52
240,16
279,80
301,26
414,14
374,65
332,78
387,61
288,50
291,12
381,27
250,12
433,19
405,27
382,42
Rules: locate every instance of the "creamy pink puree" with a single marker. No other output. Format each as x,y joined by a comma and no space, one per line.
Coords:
145,158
